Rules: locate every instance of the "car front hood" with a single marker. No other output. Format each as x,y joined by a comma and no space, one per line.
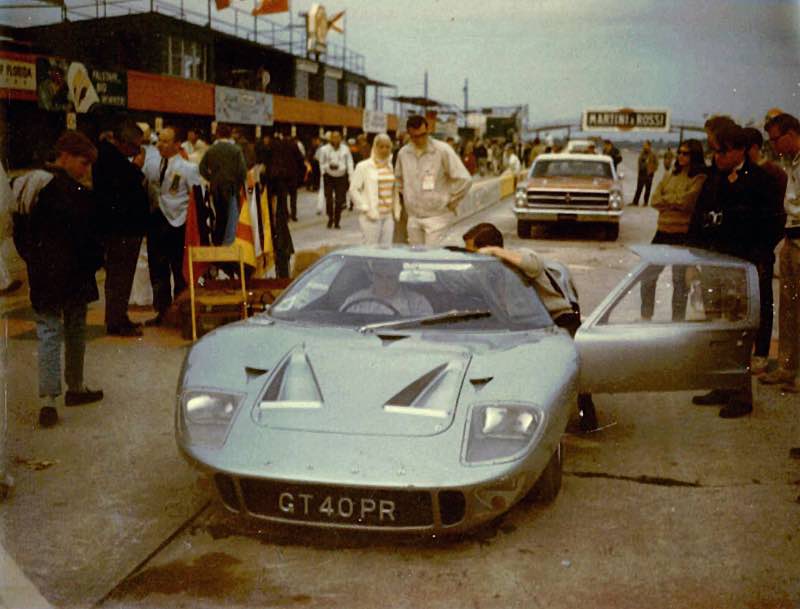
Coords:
364,388
570,183
333,380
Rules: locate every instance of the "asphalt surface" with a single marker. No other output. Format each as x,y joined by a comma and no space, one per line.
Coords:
666,505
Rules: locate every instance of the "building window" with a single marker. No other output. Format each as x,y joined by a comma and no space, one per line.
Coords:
301,84
354,95
186,59
331,90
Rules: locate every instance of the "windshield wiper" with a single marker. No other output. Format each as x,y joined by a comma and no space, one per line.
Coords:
427,320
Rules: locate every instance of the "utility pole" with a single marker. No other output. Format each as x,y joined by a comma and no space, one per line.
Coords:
425,87
466,96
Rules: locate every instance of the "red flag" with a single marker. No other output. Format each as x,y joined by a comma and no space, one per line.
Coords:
221,4
191,237
271,6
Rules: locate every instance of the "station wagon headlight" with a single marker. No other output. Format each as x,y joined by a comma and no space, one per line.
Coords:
207,415
615,200
500,432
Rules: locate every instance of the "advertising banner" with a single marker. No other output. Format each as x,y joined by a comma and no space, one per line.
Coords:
243,106
375,122
19,75
626,119
64,86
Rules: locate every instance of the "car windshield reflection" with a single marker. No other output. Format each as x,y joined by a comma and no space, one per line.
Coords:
356,291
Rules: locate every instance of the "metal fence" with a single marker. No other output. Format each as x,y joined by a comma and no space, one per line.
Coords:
290,37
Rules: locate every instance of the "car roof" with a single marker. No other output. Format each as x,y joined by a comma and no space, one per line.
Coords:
671,254
573,156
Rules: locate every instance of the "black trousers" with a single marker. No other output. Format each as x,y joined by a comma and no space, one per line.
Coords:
765,268
586,408
122,252
335,193
646,183
165,258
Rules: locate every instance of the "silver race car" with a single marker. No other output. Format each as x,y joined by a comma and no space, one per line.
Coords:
428,390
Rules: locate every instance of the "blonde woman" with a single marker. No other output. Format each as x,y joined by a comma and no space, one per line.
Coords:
373,191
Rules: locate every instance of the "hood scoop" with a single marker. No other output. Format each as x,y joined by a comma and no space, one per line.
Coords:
480,383
433,394
293,385
254,373
388,339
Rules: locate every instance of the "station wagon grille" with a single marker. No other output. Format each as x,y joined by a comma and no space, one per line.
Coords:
568,198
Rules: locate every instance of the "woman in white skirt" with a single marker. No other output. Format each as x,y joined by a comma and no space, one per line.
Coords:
373,191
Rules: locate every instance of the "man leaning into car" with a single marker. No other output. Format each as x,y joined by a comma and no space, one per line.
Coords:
486,238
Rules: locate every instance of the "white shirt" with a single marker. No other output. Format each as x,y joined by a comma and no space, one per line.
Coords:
180,177
336,162
432,180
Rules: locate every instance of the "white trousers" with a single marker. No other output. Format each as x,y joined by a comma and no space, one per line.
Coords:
428,231
377,232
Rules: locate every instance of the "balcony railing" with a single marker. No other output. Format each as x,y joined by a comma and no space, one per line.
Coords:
290,37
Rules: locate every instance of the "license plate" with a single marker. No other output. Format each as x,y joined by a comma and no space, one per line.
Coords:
338,505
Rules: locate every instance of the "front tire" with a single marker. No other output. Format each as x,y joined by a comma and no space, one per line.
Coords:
524,228
548,485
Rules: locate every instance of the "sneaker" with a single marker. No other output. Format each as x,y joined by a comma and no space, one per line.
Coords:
84,396
758,365
48,416
735,409
779,376
715,397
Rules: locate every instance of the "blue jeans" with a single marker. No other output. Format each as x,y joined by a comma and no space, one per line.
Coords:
49,329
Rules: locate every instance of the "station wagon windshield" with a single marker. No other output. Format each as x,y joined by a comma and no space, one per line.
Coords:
353,291
570,168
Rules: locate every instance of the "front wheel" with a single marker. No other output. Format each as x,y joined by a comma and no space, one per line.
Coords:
549,483
524,228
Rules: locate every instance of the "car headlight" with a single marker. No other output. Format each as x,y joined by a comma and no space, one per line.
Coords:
500,432
207,415
615,200
521,197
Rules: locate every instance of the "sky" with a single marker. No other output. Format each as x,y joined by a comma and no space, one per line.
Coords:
560,57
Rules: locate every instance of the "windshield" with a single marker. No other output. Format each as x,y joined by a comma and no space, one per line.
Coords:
571,169
354,291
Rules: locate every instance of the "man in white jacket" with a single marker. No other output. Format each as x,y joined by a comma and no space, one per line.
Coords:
432,180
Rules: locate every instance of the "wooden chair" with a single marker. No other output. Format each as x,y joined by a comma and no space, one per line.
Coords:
208,298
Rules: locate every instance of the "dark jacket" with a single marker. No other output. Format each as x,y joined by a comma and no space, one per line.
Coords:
287,162
120,192
736,217
63,245
224,167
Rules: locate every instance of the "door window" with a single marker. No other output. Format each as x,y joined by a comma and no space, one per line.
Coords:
680,293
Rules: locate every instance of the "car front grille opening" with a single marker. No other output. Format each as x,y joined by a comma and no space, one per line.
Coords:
227,490
452,505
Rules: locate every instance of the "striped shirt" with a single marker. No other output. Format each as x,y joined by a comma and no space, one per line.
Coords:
385,187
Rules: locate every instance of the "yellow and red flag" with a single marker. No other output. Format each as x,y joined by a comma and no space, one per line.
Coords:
253,232
266,7
221,4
